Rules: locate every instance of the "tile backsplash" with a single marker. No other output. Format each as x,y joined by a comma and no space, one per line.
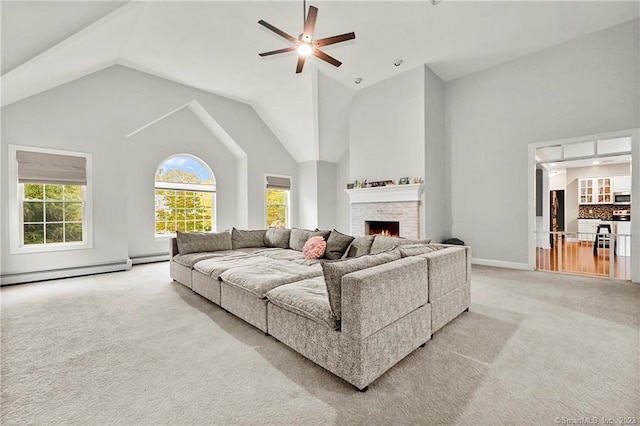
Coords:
597,211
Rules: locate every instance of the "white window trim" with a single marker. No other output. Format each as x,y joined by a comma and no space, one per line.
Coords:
187,187
16,245
288,225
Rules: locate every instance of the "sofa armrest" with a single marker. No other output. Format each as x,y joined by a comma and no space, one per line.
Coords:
375,297
173,247
449,268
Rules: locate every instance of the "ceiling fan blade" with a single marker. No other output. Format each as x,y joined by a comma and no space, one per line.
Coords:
300,64
275,52
277,31
333,61
309,24
333,40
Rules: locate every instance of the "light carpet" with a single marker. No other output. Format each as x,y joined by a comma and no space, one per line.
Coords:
136,348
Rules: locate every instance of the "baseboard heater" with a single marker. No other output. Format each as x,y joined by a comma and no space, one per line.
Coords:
51,274
150,258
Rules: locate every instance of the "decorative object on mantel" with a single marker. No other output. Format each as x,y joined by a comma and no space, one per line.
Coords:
403,181
364,184
304,44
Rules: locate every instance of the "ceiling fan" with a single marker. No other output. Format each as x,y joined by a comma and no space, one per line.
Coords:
305,45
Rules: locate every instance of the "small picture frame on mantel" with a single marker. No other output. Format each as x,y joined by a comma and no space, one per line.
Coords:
403,181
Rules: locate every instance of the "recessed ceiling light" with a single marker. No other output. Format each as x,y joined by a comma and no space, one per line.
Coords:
552,164
596,162
357,80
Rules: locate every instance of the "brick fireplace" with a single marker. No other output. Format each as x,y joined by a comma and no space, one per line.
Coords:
399,204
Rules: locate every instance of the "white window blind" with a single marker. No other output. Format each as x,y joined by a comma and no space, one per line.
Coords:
38,167
275,182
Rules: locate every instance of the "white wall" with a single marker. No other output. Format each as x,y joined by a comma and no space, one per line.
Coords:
94,114
585,86
343,206
326,194
307,193
435,219
387,129
147,149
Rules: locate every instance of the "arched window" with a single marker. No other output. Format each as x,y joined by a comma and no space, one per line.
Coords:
184,195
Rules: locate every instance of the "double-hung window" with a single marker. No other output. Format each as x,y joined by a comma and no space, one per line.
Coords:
278,194
52,210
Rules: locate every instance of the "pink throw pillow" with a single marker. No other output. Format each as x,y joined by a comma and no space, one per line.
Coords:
314,247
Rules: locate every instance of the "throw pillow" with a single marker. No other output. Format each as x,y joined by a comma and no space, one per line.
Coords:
360,246
383,243
337,245
197,242
277,238
243,239
334,271
314,247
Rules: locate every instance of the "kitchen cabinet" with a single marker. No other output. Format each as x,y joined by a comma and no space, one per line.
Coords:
587,228
595,190
622,184
623,240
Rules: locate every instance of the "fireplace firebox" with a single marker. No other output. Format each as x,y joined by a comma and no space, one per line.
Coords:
389,228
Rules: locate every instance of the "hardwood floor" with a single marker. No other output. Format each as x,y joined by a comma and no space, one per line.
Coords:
578,258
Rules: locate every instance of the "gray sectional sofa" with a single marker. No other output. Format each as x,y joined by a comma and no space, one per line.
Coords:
357,312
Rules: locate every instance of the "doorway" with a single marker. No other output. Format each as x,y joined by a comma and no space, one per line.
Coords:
576,183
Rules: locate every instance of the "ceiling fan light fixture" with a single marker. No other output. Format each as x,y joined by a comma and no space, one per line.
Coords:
304,49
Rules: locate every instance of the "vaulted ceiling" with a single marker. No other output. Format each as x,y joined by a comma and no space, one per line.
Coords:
214,46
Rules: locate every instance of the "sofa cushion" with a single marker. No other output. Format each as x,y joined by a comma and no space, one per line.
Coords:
277,238
300,236
334,271
214,267
191,259
247,238
198,242
417,249
337,245
281,254
260,278
382,243
360,246
307,298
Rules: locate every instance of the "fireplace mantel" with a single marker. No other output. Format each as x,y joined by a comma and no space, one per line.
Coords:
386,194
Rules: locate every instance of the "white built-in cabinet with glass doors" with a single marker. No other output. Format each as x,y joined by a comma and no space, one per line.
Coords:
595,191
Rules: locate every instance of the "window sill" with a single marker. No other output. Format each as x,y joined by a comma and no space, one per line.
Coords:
164,237
45,248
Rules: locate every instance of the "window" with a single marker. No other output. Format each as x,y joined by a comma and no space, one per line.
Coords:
184,196
277,201
53,201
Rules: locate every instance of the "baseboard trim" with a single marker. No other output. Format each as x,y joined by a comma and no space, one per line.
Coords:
52,274
150,258
501,264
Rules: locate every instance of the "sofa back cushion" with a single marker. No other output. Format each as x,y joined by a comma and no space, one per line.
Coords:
197,242
337,245
334,271
418,249
245,238
300,236
277,238
383,243
360,246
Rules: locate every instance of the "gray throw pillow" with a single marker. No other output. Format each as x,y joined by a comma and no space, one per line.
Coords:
300,236
337,245
244,238
360,246
277,238
383,243
197,242
334,271
417,249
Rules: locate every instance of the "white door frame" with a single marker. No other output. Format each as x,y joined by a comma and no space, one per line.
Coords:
635,192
